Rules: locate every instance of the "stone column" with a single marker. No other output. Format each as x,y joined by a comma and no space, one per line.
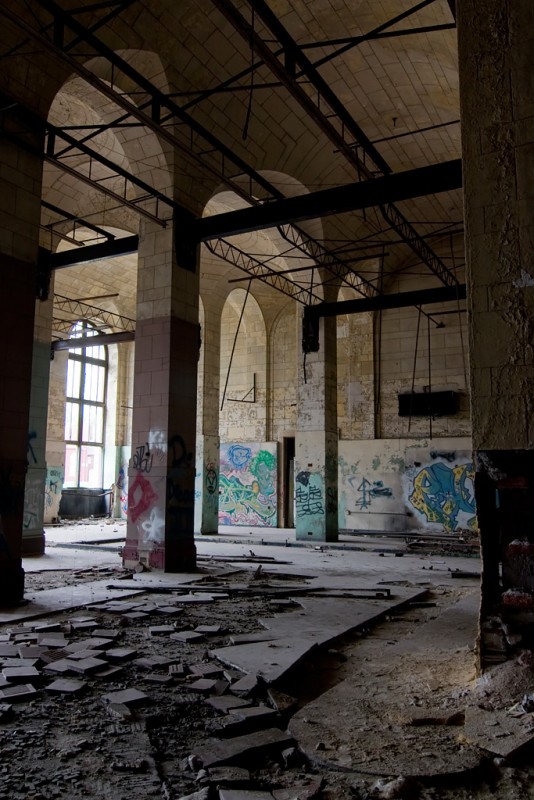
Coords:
496,57
20,174
35,495
207,456
161,472
316,463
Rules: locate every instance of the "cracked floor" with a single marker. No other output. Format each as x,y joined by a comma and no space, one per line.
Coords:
384,704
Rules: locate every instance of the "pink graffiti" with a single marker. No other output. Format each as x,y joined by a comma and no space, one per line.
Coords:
141,495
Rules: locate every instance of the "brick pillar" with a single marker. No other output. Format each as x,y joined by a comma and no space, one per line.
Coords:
20,175
208,442
496,57
161,472
316,440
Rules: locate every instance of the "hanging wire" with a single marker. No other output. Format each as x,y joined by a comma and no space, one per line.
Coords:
413,370
234,344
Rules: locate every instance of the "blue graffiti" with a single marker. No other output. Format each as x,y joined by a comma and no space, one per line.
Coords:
239,455
440,493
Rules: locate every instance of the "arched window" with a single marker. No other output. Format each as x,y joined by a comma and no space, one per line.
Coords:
85,411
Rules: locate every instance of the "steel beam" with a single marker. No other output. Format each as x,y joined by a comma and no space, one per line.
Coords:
89,253
352,197
419,297
94,341
327,111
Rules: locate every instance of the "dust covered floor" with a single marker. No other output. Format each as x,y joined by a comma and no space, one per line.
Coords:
374,693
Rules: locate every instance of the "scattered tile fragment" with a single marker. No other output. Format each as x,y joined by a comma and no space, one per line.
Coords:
203,685
20,674
107,673
6,712
155,677
210,630
178,670
120,654
206,670
18,693
106,633
160,630
245,684
195,598
186,636
65,686
94,643
87,665
170,610
129,697
227,703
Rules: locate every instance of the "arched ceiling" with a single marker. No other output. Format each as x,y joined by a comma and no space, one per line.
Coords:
399,83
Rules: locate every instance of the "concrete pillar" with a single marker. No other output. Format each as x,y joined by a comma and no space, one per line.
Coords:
35,491
316,441
208,443
161,472
496,58
20,176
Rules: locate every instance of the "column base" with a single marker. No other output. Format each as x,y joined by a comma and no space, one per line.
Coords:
181,557
33,544
11,583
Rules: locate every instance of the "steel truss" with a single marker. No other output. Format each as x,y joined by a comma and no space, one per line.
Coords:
79,310
328,112
156,112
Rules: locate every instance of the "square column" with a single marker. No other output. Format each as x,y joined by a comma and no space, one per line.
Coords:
20,206
161,472
208,442
496,59
316,464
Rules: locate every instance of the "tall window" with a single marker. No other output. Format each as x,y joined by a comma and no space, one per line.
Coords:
85,411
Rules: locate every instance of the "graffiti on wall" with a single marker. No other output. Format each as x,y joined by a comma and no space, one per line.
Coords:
54,484
33,502
444,494
141,497
366,491
309,500
247,484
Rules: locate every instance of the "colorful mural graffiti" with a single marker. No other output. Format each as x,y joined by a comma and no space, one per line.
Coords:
444,494
247,484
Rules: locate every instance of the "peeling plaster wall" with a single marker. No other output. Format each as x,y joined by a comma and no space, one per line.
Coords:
403,484
355,376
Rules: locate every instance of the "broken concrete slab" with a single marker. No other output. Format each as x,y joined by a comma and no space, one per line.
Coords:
497,731
242,749
294,634
47,602
245,720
